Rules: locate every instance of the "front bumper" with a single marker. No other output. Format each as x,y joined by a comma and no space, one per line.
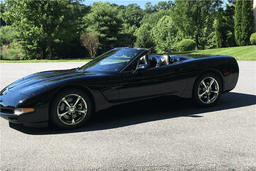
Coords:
38,118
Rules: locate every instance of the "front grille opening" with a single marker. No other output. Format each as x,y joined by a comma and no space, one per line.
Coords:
7,110
12,119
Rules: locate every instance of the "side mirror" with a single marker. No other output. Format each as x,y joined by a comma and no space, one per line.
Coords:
142,67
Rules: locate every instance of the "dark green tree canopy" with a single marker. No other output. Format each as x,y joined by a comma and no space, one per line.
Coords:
153,18
219,29
144,37
191,17
165,35
162,5
244,22
42,23
103,19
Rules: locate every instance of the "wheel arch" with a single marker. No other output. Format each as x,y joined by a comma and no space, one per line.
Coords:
212,71
79,87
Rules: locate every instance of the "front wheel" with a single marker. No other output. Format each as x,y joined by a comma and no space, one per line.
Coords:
70,109
207,90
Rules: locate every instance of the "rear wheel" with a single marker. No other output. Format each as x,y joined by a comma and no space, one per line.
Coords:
207,90
70,109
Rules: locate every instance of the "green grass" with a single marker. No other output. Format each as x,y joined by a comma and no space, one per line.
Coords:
45,60
244,53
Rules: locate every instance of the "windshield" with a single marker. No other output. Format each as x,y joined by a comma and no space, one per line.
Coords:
113,60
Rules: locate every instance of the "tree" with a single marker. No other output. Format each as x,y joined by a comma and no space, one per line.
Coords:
247,25
219,32
244,22
131,16
162,5
191,17
229,21
90,42
166,35
43,23
153,18
144,37
238,22
104,21
2,23
8,34
148,8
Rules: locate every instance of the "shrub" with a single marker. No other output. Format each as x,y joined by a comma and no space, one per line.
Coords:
11,52
186,45
253,38
90,42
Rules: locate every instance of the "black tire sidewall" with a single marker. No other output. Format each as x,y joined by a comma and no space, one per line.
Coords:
196,85
53,109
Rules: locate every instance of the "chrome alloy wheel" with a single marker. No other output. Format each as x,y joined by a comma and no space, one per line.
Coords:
72,109
208,90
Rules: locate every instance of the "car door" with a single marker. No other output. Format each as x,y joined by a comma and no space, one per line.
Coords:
153,82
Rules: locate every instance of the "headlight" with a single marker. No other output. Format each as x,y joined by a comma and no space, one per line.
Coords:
20,111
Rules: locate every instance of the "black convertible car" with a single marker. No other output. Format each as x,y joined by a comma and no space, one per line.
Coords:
67,98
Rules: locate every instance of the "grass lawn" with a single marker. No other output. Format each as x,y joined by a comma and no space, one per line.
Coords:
244,53
57,60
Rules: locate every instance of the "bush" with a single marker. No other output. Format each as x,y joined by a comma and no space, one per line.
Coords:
253,38
8,34
186,45
11,52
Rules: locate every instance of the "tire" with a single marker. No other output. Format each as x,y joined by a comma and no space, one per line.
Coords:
70,109
207,90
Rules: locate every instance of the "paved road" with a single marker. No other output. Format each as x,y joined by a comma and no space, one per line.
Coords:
162,134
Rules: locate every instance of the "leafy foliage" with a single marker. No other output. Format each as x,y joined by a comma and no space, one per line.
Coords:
229,25
144,37
186,45
238,22
52,29
191,17
43,23
104,21
162,5
253,38
219,31
153,18
247,25
12,51
166,35
244,22
90,42
131,16
8,34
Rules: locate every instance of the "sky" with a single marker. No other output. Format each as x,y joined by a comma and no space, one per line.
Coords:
141,3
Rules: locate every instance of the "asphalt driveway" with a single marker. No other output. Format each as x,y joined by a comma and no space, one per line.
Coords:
160,134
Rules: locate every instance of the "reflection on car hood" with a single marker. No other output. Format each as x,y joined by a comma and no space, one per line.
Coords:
42,78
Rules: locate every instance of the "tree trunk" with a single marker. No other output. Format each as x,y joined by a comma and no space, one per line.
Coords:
197,42
50,49
44,52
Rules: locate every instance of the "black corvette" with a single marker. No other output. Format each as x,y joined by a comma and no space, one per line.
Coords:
67,98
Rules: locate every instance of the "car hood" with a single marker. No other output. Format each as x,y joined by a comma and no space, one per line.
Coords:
41,79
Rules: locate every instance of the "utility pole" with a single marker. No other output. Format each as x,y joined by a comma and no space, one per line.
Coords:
254,13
